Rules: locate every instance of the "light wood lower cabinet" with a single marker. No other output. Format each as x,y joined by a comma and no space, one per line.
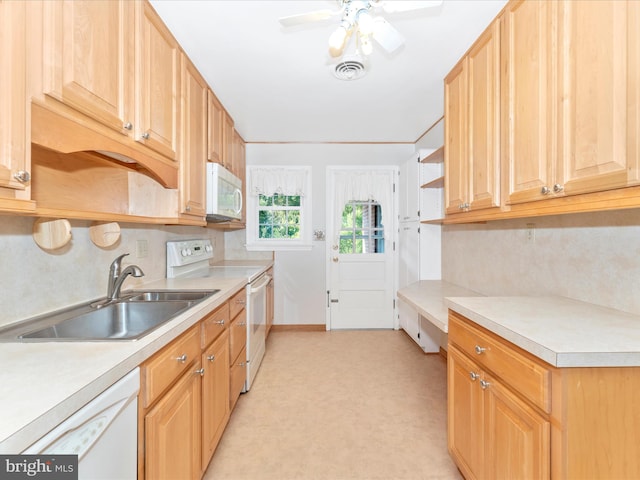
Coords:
172,431
215,395
185,395
513,416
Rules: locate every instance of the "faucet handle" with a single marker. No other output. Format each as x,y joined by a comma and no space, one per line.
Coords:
116,265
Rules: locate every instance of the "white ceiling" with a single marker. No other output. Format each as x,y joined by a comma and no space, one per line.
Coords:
278,83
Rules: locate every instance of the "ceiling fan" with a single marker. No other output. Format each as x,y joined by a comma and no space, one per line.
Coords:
362,17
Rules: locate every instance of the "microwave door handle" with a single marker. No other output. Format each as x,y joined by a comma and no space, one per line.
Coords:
237,195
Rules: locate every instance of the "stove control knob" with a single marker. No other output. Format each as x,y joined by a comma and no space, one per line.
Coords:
184,252
189,252
208,248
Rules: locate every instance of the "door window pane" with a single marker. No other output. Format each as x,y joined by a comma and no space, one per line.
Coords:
362,230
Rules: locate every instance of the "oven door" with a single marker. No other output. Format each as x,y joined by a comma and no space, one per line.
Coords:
256,325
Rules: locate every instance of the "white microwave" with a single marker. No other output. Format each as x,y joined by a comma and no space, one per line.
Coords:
224,194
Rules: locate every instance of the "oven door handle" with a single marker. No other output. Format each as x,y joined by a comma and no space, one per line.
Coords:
260,284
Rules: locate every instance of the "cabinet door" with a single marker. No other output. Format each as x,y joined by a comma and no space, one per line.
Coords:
172,432
14,147
157,84
484,120
456,163
88,50
194,142
598,42
240,168
216,120
526,90
517,439
465,414
227,141
215,395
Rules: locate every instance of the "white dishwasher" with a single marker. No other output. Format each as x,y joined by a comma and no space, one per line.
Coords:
103,433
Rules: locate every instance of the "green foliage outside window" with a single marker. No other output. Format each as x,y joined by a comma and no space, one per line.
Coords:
279,216
362,230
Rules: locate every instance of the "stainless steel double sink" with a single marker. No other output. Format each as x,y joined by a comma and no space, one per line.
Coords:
130,317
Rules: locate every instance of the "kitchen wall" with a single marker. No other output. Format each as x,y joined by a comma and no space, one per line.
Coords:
300,292
593,257
33,281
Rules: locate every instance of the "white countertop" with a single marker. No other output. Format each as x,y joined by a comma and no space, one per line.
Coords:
45,382
427,298
558,330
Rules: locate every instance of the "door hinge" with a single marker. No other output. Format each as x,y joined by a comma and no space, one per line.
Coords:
418,334
394,246
394,188
394,303
418,229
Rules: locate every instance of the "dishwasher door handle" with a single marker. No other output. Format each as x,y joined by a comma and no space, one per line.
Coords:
260,284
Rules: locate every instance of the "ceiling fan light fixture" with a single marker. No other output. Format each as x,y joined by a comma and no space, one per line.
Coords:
365,23
337,40
366,47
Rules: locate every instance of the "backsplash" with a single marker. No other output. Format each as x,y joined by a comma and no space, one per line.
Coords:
593,257
34,281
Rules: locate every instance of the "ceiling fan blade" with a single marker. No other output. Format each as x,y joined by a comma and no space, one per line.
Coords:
301,18
408,5
387,36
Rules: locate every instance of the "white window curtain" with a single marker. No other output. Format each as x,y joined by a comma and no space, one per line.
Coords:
278,180
361,186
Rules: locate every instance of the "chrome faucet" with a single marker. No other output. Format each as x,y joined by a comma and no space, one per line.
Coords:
117,277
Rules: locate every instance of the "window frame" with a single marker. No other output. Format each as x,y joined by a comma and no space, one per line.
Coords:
254,242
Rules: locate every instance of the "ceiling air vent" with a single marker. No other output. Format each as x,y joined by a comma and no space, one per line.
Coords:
350,68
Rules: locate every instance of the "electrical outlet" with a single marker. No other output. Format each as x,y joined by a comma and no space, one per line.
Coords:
142,248
531,232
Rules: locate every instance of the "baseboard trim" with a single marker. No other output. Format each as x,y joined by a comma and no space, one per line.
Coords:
299,328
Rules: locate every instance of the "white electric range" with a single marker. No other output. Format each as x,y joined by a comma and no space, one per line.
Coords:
190,259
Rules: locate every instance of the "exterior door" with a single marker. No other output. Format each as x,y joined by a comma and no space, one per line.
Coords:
361,262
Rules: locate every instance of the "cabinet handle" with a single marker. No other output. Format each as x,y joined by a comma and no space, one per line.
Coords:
479,349
128,126
242,324
484,384
558,188
241,301
474,376
145,135
211,358
22,176
545,190
219,322
200,372
182,358
242,364
187,208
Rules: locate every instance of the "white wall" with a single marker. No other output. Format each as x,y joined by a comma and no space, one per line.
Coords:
33,281
300,291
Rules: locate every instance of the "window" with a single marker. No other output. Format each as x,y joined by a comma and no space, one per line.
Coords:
278,208
279,216
362,230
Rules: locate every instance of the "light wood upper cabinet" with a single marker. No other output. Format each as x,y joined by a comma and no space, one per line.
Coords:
215,152
158,84
569,122
227,142
15,151
472,128
194,142
89,69
527,98
599,84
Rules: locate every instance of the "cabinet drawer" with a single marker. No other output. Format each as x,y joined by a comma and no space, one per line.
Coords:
238,375
164,367
237,303
214,324
238,335
520,370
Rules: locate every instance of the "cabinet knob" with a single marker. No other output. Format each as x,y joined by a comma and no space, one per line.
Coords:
187,208
479,349
182,358
200,372
128,126
211,358
22,176
242,364
545,190
145,135
241,301
484,384
474,376
242,324
219,322
558,188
